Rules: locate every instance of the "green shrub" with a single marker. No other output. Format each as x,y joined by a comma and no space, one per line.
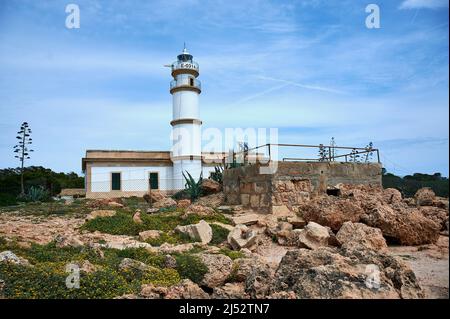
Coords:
7,200
191,267
219,234
142,255
48,280
119,224
161,277
233,254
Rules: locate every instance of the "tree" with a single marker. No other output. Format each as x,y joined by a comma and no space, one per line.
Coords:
22,151
369,154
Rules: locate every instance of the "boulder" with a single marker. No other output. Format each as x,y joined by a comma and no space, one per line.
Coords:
149,234
67,241
186,289
200,210
115,204
360,235
165,202
438,215
259,282
334,274
391,195
128,264
241,237
8,256
406,227
440,202
183,203
137,217
219,269
425,196
199,232
331,211
101,213
170,262
213,200
154,196
152,210
243,268
246,219
230,291
312,236
296,221
210,186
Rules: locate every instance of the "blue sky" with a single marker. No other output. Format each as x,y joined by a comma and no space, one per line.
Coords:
310,68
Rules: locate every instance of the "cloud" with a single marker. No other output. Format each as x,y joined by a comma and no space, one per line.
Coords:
424,4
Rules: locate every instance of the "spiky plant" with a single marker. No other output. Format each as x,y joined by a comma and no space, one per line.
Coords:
193,187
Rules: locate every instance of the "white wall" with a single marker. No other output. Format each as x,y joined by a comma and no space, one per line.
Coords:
185,105
132,178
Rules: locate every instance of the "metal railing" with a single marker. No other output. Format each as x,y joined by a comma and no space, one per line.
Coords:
323,153
194,83
188,65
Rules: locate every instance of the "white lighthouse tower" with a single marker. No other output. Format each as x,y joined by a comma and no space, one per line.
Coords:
186,151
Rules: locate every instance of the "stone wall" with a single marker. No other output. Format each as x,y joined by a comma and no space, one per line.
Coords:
292,183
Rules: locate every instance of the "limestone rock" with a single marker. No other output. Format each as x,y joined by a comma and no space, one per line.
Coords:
357,234
243,268
259,283
186,289
425,196
210,186
241,237
219,268
296,221
67,241
312,236
149,234
128,264
152,210
200,232
407,227
8,256
356,274
183,203
154,196
115,205
230,291
391,195
137,217
200,210
438,215
100,213
170,262
213,200
246,219
331,211
165,202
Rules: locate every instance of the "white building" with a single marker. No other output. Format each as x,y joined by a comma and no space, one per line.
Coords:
132,173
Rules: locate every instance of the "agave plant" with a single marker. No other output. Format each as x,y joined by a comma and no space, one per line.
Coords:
192,187
37,194
217,175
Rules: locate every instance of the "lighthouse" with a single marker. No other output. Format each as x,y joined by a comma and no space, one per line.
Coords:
186,153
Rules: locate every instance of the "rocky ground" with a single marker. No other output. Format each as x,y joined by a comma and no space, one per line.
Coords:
363,243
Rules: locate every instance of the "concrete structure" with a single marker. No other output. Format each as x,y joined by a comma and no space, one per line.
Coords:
293,183
132,173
